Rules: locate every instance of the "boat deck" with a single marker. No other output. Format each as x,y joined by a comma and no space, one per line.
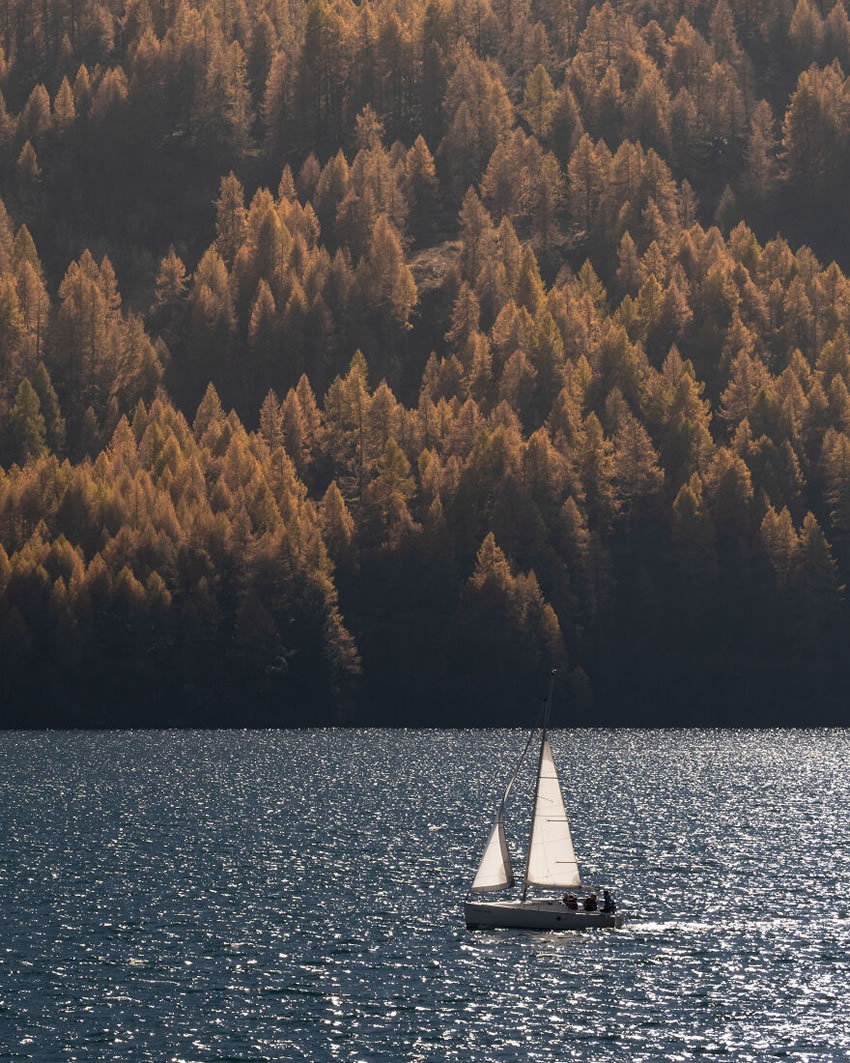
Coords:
535,915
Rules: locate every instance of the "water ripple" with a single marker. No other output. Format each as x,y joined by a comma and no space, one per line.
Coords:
200,896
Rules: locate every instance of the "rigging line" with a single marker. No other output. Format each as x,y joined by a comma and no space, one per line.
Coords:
547,707
516,770
500,815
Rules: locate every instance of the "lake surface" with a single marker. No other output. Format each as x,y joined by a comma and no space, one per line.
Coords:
282,895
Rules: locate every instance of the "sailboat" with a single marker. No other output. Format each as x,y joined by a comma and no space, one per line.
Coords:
550,862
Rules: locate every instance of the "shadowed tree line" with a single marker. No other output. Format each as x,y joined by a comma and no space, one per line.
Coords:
455,342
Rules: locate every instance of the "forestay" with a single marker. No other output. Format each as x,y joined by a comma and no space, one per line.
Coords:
494,871
551,857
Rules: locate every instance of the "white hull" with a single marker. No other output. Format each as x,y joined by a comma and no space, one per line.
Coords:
534,915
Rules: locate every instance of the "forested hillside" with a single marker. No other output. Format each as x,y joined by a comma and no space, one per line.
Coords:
359,363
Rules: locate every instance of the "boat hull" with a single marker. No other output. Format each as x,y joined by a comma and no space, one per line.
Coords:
534,915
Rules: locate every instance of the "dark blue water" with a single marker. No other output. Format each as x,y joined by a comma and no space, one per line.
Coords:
298,895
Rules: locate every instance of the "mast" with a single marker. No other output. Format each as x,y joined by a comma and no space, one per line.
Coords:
547,707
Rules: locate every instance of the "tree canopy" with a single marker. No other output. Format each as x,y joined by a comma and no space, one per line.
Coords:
363,355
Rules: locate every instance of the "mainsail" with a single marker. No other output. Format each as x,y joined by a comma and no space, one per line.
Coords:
551,857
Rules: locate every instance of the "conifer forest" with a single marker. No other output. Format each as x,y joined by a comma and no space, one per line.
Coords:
361,362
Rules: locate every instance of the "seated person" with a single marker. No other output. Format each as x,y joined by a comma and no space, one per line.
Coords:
571,902
590,903
608,902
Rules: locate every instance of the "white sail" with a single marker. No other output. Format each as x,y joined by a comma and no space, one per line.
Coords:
494,871
551,857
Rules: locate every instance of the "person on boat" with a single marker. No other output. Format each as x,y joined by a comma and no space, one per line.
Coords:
608,903
590,904
571,902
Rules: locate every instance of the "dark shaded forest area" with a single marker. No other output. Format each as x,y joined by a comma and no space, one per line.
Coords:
359,363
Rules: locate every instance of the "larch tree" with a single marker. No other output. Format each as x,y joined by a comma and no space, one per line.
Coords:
813,128
27,168
476,234
546,195
35,119
337,526
209,412
420,186
538,102
230,218
386,279
271,421
49,408
26,425
762,168
637,473
171,281
586,174
780,542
